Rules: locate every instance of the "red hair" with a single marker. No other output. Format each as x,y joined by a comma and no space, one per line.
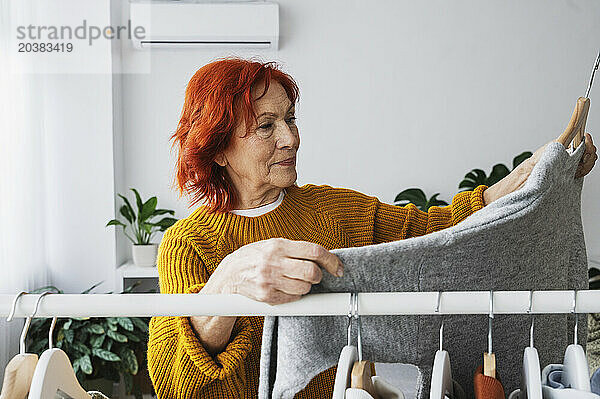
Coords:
214,97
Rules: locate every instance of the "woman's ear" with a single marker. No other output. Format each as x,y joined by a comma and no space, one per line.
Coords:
220,159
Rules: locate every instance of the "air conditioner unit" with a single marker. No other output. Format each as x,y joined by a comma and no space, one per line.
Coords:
179,24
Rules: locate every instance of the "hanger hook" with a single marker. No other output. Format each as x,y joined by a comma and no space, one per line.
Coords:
594,69
350,314
28,323
437,310
490,318
51,330
575,314
532,318
14,305
359,322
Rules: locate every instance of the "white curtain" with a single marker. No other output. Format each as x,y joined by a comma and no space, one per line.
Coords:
22,165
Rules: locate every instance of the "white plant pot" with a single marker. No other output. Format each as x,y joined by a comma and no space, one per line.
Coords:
144,255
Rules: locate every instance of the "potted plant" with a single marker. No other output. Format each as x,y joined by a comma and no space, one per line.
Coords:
139,221
102,350
471,180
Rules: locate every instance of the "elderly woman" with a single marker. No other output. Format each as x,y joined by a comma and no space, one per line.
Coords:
259,234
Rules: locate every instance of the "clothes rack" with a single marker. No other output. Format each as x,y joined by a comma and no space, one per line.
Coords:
329,304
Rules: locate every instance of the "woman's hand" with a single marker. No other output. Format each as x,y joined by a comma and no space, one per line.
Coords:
274,271
519,175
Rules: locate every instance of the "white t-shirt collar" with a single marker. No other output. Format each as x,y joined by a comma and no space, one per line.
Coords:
261,210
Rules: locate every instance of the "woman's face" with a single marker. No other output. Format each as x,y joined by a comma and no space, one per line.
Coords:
254,161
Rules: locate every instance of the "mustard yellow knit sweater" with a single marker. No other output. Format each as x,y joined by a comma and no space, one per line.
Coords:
193,247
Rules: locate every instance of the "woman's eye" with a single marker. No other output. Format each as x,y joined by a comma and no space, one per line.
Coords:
292,119
266,126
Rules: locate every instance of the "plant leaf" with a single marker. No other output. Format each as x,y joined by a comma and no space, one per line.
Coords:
138,200
132,337
125,323
433,201
129,360
116,336
95,329
105,355
97,340
159,212
499,171
165,223
124,210
414,196
147,209
139,323
147,227
80,347
85,363
69,335
131,211
50,288
521,157
92,287
128,380
114,222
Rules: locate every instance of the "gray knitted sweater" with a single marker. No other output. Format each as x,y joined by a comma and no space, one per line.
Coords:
530,239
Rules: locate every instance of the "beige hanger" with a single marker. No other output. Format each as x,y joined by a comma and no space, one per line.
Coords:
19,371
576,127
489,358
363,370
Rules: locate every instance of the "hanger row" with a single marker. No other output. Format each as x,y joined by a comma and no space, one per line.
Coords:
326,304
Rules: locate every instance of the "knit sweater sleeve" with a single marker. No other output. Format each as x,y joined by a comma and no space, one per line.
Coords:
392,222
179,365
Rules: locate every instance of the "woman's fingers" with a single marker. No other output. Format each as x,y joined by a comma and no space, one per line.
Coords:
292,286
310,251
588,160
301,269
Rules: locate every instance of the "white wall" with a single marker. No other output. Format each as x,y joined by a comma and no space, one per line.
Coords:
396,94
79,167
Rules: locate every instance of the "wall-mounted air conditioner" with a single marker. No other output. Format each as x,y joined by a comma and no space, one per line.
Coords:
246,24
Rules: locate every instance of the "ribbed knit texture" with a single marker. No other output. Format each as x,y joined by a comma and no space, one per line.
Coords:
487,387
190,251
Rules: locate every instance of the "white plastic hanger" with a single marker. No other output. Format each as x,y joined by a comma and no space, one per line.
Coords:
575,373
441,376
19,371
54,375
531,376
348,356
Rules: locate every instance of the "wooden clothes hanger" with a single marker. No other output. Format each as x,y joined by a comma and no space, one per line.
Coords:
362,370
54,375
576,127
489,358
19,371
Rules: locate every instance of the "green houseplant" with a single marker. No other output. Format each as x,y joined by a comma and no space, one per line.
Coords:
471,180
477,177
100,348
142,226
417,197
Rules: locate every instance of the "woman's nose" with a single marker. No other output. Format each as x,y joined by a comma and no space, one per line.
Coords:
287,136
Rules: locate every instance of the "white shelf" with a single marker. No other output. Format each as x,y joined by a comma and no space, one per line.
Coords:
129,270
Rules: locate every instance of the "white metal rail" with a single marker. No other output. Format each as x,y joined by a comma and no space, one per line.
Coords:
393,303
